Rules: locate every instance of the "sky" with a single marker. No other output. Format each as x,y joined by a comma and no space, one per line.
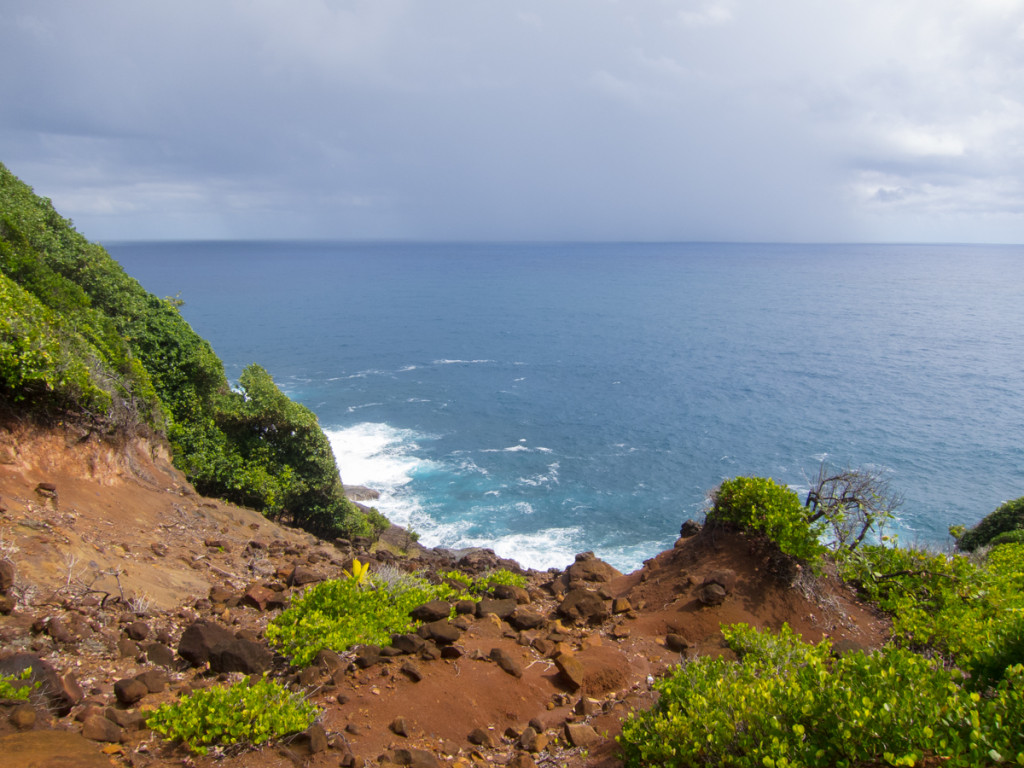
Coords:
649,120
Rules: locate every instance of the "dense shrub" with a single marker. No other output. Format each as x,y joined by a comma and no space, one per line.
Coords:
786,703
248,713
341,614
1008,518
81,338
17,687
761,505
972,614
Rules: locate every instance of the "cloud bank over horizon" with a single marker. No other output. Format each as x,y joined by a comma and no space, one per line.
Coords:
737,120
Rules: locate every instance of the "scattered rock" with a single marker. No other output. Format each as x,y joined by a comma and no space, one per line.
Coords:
435,610
581,735
571,670
441,632
482,738
504,660
99,728
7,575
588,567
155,680
523,618
676,642
500,608
399,727
129,691
137,630
160,654
50,685
583,605
689,529
302,575
23,717
712,594
199,639
237,655
411,671
259,597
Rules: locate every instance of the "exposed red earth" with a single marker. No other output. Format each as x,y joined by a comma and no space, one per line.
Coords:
112,556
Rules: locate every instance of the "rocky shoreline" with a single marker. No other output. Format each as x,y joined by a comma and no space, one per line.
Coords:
123,590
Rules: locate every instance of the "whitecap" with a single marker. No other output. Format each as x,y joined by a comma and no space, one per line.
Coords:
461,362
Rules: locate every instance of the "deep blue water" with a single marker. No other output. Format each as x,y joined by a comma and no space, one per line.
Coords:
545,399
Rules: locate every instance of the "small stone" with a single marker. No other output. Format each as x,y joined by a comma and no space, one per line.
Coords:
571,669
482,738
155,680
712,594
581,735
621,605
522,760
59,631
504,660
676,642
129,691
99,728
160,654
399,727
411,671
137,630
23,717
435,610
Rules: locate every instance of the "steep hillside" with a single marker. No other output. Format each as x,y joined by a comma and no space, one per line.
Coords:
82,341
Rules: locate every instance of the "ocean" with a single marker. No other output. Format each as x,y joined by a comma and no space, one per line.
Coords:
544,399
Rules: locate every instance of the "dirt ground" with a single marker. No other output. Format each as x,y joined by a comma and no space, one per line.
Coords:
114,537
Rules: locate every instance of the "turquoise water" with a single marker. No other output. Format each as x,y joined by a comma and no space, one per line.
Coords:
545,399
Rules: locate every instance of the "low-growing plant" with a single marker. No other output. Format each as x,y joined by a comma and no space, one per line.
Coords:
761,505
248,713
16,686
341,614
787,703
479,585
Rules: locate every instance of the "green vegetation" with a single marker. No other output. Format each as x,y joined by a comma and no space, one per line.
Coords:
10,688
763,506
948,688
81,340
366,609
1006,523
787,703
248,713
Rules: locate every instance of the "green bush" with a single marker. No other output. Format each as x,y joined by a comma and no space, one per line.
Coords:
80,337
480,585
248,713
341,614
786,703
15,686
1006,519
761,505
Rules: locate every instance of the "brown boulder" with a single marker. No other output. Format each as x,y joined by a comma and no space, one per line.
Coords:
589,568
199,639
522,618
99,728
504,660
130,690
500,608
435,610
584,606
572,670
581,735
7,574
243,656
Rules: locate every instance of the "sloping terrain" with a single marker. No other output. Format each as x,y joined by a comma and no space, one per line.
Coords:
115,556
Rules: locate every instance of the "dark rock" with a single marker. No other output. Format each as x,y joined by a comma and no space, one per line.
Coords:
452,652
129,720
70,689
584,606
127,649
302,575
329,660
199,639
160,654
99,728
712,594
689,529
500,608
414,758
407,643
532,741
465,607
137,630
435,610
441,632
510,592
411,671
366,655
155,680
220,593
130,690
504,660
399,727
676,642
724,577
482,738
523,618
311,741
243,656
589,568
7,604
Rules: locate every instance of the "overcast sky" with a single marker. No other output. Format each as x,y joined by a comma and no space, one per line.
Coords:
771,120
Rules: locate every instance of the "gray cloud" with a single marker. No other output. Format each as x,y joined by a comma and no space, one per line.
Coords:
591,119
